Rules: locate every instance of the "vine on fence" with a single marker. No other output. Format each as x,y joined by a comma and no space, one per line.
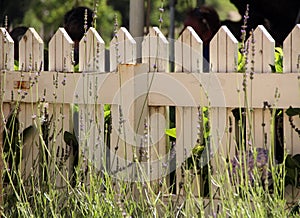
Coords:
291,112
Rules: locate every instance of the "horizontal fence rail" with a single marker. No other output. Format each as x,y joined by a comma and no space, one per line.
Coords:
140,95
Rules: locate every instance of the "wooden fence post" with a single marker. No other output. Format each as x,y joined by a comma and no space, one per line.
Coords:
129,111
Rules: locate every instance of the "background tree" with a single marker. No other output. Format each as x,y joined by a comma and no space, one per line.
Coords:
47,15
13,9
123,7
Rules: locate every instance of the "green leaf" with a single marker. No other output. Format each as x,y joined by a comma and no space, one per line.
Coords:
241,62
107,107
292,163
27,132
107,116
296,158
293,111
290,175
70,139
16,65
76,68
273,68
171,132
278,60
198,149
76,108
107,112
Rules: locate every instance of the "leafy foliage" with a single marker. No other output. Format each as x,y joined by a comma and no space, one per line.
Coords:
171,132
293,112
241,62
48,15
292,166
12,143
16,65
278,67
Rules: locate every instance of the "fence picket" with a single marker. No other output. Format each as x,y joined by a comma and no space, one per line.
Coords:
159,163
186,137
291,138
31,50
122,49
7,50
92,52
31,145
188,58
262,120
223,58
4,112
264,48
155,51
291,51
188,52
261,48
61,52
223,51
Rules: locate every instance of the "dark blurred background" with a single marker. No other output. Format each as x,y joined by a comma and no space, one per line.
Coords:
47,15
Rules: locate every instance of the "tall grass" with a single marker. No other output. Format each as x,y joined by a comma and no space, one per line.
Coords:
240,188
95,193
53,189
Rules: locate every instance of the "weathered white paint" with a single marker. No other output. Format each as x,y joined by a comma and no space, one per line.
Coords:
61,52
223,51
155,50
291,51
31,51
7,50
92,52
123,49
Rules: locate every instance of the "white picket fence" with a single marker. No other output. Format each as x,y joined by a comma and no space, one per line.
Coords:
140,94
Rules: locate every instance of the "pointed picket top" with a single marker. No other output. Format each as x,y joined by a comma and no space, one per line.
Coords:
264,48
31,51
188,52
223,51
61,52
155,50
7,50
291,51
92,52
122,49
